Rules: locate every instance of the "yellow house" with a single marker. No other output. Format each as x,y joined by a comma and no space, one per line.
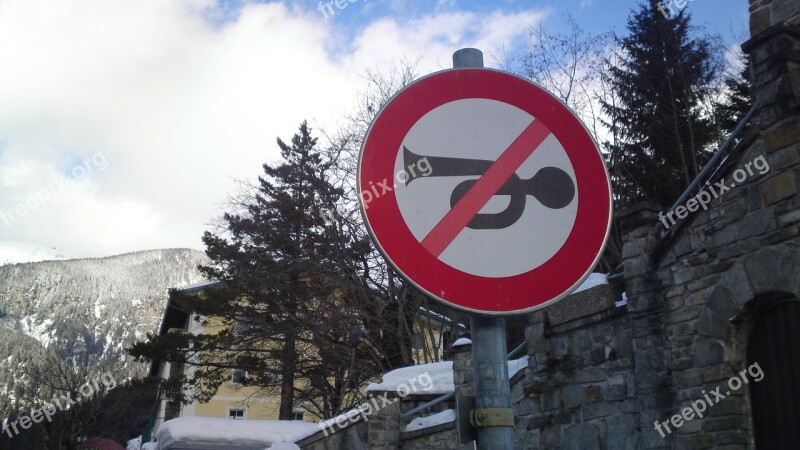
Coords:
233,401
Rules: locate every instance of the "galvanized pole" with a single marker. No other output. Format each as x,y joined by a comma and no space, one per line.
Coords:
493,415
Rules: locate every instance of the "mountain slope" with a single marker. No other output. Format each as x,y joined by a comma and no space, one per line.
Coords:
85,311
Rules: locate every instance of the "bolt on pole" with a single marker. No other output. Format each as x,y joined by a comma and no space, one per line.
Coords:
493,415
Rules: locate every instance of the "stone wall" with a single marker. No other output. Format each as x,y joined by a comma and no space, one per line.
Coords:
603,371
602,378
354,437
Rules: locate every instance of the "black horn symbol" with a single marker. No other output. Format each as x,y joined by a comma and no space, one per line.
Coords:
551,186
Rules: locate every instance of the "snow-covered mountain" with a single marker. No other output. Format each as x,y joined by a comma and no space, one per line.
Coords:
83,310
12,252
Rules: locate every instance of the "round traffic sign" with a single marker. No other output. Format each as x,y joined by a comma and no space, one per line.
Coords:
484,191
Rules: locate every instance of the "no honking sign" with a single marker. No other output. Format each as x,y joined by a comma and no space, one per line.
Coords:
494,197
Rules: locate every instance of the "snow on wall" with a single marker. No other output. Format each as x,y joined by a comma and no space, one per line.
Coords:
462,341
421,423
594,279
206,431
434,378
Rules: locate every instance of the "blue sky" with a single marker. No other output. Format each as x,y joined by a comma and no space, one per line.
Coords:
178,98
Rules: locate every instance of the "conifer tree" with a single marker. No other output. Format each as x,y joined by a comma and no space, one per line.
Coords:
296,311
661,133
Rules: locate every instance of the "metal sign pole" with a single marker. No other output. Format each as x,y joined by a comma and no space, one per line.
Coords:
493,415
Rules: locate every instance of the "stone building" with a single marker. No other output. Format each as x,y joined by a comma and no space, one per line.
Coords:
706,351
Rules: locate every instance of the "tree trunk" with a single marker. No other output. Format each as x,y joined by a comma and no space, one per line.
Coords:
289,360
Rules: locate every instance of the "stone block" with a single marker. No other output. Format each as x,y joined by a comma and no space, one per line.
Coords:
702,441
712,325
551,437
621,431
733,437
688,378
764,269
592,394
757,223
589,375
707,352
550,401
728,405
760,20
572,396
784,158
581,436
783,135
596,410
737,283
724,423
615,392
777,188
722,303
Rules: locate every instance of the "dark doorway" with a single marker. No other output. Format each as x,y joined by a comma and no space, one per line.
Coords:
775,346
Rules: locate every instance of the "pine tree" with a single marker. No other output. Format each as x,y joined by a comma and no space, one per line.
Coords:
295,311
278,257
661,133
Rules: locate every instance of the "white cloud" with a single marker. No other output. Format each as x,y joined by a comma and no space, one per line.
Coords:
179,105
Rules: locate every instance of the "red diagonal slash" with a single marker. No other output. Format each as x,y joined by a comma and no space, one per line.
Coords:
443,234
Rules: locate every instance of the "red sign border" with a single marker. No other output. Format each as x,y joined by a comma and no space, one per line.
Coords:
523,293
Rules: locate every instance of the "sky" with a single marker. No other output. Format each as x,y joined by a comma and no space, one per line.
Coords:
124,124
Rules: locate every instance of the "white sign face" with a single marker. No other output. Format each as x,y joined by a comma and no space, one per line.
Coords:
514,232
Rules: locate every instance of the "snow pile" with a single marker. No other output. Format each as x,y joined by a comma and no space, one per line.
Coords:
135,444
622,302
462,341
284,446
349,416
594,279
208,431
434,378
150,446
420,423
515,365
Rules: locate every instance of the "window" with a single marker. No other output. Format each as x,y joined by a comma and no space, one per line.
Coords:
297,414
239,376
236,413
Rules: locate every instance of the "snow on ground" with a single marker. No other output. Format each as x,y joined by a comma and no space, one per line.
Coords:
206,431
435,378
150,446
39,332
462,341
135,444
420,423
284,446
595,279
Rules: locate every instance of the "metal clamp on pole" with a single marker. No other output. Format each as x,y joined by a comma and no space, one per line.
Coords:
492,417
